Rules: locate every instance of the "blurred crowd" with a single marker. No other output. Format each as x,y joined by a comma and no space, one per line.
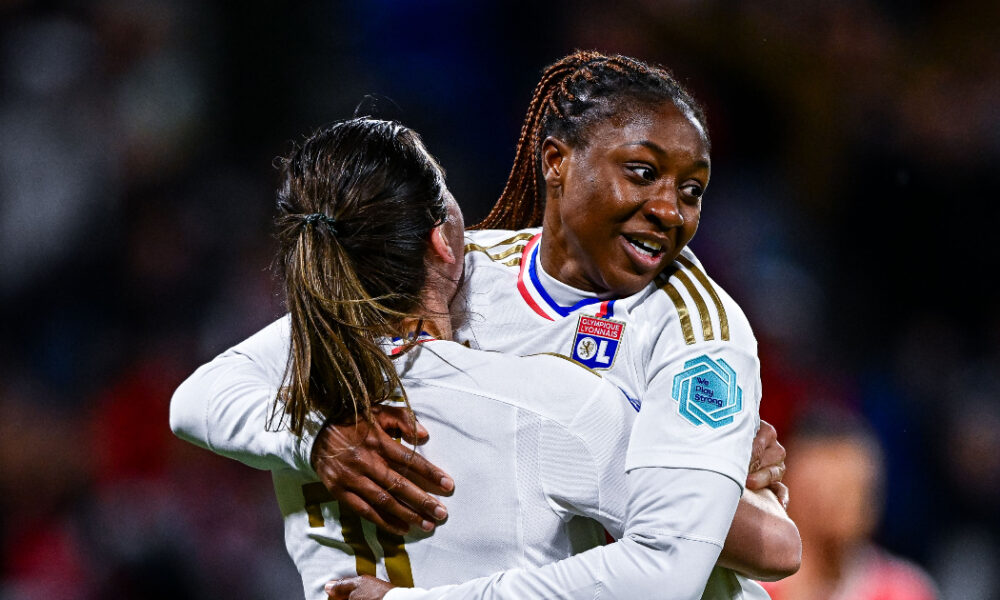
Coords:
851,213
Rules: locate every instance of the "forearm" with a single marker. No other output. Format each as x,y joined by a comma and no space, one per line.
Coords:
228,405
763,542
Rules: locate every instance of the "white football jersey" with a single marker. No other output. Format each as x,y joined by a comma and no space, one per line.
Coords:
533,443
681,348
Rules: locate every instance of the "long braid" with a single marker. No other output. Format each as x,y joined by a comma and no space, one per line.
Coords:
573,93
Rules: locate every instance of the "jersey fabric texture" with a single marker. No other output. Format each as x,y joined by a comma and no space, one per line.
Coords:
533,442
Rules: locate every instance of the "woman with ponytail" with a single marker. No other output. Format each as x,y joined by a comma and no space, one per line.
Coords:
613,161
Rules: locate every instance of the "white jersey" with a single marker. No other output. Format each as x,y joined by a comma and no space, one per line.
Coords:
681,348
532,442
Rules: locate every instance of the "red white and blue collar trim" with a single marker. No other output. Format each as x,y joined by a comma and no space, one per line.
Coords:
397,344
540,301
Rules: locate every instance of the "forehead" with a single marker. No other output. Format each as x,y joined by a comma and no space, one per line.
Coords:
673,129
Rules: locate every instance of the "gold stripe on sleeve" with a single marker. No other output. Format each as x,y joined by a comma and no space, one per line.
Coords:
703,279
512,250
521,237
682,312
397,561
699,303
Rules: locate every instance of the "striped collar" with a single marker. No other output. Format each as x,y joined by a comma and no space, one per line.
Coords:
538,289
394,346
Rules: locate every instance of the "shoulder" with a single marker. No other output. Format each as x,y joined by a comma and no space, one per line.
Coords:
691,307
551,386
497,245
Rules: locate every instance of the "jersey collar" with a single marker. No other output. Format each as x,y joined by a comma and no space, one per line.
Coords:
550,298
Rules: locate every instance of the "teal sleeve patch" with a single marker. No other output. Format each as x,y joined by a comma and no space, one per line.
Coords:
707,393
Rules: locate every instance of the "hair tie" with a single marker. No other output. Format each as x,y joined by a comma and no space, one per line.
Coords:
313,218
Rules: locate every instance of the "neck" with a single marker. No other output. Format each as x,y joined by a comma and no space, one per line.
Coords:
432,316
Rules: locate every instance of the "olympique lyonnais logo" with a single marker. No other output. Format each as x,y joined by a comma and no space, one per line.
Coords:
707,393
595,344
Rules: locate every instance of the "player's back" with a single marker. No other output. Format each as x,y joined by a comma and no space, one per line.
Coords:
530,441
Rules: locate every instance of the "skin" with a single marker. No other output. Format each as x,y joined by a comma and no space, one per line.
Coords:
637,178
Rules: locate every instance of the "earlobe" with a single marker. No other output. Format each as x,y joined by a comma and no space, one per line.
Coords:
554,153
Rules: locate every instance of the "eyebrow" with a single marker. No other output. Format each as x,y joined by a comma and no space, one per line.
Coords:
657,149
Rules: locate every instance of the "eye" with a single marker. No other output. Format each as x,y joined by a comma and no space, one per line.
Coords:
693,190
644,172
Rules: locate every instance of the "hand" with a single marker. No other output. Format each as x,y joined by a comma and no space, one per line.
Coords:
767,463
378,478
363,587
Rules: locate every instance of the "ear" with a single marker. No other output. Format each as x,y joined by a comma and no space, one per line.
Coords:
554,154
440,247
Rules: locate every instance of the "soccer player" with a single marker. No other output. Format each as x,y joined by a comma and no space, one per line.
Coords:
685,350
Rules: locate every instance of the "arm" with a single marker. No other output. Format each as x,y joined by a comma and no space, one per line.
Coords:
226,406
670,546
763,543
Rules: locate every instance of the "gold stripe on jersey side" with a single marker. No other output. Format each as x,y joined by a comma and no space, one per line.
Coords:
699,303
704,281
397,561
682,312
354,535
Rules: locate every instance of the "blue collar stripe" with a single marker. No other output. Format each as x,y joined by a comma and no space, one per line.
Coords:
562,310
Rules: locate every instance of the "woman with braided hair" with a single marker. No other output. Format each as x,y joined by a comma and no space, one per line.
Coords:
613,160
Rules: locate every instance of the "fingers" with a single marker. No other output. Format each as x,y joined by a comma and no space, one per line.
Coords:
383,518
766,436
340,589
399,421
781,491
438,482
765,477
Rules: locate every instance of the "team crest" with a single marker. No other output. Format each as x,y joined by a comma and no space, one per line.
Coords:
596,342
707,393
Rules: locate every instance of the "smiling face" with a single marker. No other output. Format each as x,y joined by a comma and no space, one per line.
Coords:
621,207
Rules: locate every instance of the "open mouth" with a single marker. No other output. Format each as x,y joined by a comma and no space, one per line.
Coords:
647,248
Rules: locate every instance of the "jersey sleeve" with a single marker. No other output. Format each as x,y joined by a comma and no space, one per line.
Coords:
677,521
702,394
227,405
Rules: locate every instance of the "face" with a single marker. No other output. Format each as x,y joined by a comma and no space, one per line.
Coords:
619,210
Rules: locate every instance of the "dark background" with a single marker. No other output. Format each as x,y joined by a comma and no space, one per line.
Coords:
852,213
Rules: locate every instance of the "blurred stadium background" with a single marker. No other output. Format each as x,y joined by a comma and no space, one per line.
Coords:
853,213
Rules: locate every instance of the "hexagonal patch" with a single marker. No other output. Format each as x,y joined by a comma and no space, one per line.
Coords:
707,393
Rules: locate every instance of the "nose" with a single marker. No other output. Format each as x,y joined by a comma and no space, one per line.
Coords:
664,210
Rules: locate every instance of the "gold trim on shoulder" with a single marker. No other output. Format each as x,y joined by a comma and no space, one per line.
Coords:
699,303
564,357
707,284
682,312
498,257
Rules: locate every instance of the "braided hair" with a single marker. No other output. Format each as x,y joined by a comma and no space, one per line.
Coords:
573,94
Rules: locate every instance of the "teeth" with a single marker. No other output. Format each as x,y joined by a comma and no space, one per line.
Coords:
645,246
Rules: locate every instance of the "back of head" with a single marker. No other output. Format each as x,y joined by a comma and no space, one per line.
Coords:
356,206
573,94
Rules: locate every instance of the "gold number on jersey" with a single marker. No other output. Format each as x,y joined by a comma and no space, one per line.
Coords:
397,561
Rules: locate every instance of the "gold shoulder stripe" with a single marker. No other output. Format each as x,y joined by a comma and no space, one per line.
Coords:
500,255
521,237
682,312
704,281
564,357
699,303
514,262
